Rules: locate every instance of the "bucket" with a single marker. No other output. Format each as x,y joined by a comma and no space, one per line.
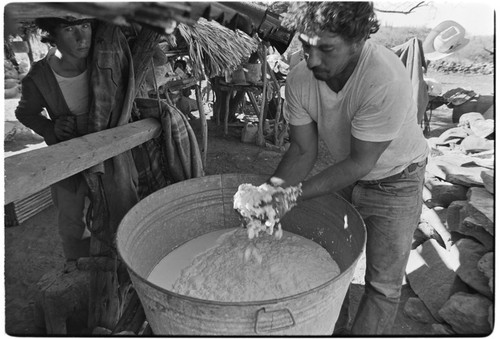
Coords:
249,133
253,73
178,213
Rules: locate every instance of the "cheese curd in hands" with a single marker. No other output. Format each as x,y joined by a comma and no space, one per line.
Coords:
261,207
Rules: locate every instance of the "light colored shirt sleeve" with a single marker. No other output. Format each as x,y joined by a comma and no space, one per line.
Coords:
293,109
382,114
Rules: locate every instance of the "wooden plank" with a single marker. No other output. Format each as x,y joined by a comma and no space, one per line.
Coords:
29,172
204,126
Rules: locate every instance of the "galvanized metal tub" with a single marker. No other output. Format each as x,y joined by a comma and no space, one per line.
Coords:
178,213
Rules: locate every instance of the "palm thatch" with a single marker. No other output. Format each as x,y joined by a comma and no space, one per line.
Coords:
214,48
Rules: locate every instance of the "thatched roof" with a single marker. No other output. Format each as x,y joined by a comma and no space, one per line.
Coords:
215,47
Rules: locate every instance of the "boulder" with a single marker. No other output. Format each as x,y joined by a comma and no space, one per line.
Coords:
11,74
449,168
11,93
455,214
481,207
488,180
467,118
451,135
474,144
473,228
444,193
470,253
415,309
482,128
443,329
11,83
431,274
467,313
486,266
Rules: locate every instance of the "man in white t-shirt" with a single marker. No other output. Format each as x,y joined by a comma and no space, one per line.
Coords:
357,97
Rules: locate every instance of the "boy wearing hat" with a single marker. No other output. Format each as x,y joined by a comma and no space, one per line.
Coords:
59,84
357,97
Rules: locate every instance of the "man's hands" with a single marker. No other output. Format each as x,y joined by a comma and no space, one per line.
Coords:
262,207
65,127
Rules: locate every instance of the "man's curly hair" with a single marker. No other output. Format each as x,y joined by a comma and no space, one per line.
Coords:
354,21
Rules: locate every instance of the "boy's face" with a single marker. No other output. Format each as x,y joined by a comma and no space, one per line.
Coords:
74,40
327,54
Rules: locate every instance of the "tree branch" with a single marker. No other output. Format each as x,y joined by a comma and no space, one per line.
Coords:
420,4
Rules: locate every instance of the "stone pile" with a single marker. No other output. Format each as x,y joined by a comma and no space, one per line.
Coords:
454,280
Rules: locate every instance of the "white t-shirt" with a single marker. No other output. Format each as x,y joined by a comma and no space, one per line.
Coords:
76,94
376,104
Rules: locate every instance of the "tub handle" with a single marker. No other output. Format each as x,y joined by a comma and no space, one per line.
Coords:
263,315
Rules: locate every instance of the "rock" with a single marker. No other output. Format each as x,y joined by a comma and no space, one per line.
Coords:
490,113
415,309
470,253
488,181
444,193
488,163
431,222
482,128
472,228
424,232
481,207
474,144
455,214
467,118
11,93
443,329
449,168
490,315
467,313
451,135
10,83
11,74
486,266
101,331
431,274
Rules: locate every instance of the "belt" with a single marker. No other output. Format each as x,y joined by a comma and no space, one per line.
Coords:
412,167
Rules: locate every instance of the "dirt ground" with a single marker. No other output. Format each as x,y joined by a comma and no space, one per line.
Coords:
33,248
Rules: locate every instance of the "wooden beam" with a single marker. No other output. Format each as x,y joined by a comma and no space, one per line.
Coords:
260,131
29,172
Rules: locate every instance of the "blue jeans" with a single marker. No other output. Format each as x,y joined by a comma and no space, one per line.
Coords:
391,210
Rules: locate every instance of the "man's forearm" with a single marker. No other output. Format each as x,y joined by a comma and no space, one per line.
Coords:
334,178
294,166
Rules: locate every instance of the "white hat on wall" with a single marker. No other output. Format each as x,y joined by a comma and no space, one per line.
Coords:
444,39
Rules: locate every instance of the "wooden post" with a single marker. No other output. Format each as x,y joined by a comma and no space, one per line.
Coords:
253,101
226,109
260,132
204,128
278,111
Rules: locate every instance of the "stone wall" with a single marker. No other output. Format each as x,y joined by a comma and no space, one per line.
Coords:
453,277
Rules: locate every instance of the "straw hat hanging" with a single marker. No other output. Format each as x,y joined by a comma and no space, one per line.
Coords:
443,40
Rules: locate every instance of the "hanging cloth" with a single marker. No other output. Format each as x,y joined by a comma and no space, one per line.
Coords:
412,56
173,156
